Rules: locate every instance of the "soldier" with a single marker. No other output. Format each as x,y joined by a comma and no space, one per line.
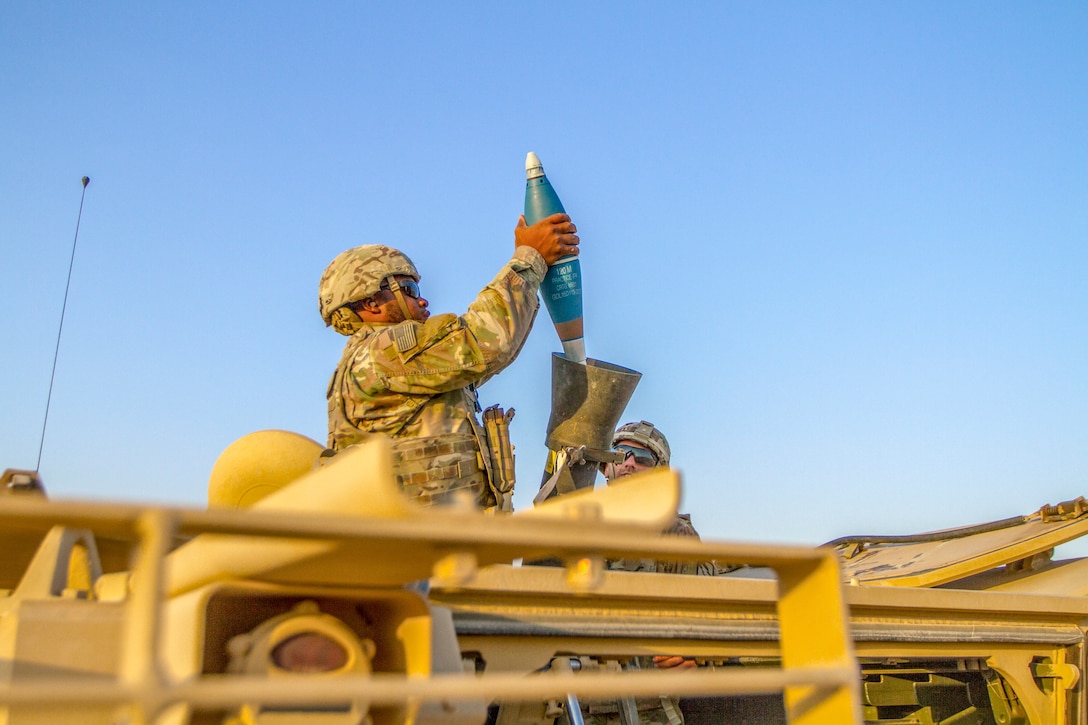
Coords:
646,447
412,376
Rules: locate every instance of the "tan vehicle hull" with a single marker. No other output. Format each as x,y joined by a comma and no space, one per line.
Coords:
132,614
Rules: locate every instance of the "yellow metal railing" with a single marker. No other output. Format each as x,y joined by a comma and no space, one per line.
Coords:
818,674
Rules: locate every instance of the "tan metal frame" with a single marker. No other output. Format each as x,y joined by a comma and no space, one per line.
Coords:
818,671
1035,642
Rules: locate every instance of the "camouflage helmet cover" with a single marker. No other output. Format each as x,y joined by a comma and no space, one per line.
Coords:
358,273
645,434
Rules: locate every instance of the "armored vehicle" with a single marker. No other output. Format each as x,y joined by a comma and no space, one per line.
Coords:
333,599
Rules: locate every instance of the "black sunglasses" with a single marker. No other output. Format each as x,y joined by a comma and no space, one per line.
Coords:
642,456
408,287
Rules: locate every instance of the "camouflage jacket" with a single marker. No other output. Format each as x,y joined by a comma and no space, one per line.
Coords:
681,526
416,378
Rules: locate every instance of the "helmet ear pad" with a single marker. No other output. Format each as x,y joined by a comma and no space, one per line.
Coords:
345,320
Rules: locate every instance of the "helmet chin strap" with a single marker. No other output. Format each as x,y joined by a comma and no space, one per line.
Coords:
394,287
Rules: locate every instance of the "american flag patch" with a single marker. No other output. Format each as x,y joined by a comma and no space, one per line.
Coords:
405,337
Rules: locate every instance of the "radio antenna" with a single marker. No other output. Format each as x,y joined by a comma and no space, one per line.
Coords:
63,307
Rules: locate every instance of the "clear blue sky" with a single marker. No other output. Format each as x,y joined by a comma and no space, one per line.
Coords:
845,243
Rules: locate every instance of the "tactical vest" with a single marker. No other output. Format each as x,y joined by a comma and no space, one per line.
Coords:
432,469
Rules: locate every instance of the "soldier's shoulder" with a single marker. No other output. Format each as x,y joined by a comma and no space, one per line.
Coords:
437,325
413,335
404,340
682,526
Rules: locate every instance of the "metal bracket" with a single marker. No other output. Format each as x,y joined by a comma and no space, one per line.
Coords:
18,481
1067,673
1065,510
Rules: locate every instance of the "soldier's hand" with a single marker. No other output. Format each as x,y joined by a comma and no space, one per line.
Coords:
666,662
554,237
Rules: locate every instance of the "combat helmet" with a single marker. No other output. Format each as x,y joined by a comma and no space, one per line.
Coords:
645,434
357,274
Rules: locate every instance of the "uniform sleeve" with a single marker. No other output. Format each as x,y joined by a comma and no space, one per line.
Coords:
448,352
502,314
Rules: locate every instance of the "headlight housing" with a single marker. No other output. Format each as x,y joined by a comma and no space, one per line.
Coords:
303,640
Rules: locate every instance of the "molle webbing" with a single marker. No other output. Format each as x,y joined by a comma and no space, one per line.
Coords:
414,449
458,469
431,468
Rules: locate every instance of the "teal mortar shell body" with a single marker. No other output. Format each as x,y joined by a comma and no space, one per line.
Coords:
562,287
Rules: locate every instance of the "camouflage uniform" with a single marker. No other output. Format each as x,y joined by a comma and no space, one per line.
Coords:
416,382
681,526
662,710
651,711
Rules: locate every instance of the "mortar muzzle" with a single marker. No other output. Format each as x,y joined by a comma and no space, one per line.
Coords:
587,402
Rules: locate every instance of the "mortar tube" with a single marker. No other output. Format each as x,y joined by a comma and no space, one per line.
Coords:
587,401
